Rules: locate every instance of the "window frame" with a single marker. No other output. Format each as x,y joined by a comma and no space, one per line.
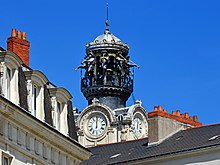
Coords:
6,156
11,61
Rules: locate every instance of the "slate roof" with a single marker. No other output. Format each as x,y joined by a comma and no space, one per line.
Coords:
1,49
183,141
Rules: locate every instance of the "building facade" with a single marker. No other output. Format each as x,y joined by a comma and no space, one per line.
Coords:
36,117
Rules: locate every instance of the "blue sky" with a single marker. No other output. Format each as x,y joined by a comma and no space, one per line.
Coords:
176,43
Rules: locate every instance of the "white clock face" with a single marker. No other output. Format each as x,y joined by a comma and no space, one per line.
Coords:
137,127
96,125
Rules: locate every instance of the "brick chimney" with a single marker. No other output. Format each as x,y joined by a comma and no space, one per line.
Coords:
162,124
18,44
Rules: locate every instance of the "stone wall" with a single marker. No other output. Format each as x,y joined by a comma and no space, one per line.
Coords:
26,140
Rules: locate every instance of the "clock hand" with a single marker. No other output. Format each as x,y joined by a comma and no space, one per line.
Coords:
96,122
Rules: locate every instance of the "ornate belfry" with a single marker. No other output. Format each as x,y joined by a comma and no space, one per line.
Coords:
107,76
107,83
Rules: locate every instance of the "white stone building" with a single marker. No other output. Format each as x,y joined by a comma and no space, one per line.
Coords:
36,117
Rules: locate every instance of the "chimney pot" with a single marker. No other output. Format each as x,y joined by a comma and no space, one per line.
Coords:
165,111
187,115
191,118
178,112
19,34
195,118
23,36
173,112
13,32
160,108
155,108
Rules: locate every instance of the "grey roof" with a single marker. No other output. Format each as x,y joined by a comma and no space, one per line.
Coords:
108,37
183,141
2,49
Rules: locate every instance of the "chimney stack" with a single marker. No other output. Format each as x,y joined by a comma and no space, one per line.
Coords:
18,44
161,124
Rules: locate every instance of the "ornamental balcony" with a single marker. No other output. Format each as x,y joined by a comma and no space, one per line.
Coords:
107,81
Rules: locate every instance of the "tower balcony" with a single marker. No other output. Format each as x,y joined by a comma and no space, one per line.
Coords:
123,82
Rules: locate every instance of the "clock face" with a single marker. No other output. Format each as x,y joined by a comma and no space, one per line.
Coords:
96,125
137,127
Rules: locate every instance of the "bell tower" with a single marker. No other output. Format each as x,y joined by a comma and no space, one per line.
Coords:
107,83
107,75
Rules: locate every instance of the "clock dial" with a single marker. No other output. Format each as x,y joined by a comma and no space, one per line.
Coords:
137,127
96,125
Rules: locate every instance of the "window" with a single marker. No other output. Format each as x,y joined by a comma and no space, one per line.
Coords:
67,161
8,83
54,117
34,97
6,159
59,106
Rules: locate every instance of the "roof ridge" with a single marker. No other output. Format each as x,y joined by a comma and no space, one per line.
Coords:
202,126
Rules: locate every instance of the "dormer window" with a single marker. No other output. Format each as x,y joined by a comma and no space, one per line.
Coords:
35,85
59,100
10,63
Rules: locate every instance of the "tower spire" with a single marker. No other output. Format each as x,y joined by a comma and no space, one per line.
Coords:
106,22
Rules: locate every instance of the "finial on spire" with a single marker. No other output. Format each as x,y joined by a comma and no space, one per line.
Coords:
106,25
106,22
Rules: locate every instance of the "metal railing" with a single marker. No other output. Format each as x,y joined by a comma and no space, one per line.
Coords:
107,80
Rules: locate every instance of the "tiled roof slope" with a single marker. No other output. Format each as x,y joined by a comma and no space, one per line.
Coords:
183,141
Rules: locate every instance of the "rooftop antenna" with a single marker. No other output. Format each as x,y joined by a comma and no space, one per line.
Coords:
106,22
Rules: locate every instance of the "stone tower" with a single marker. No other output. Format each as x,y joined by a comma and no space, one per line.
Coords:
107,83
